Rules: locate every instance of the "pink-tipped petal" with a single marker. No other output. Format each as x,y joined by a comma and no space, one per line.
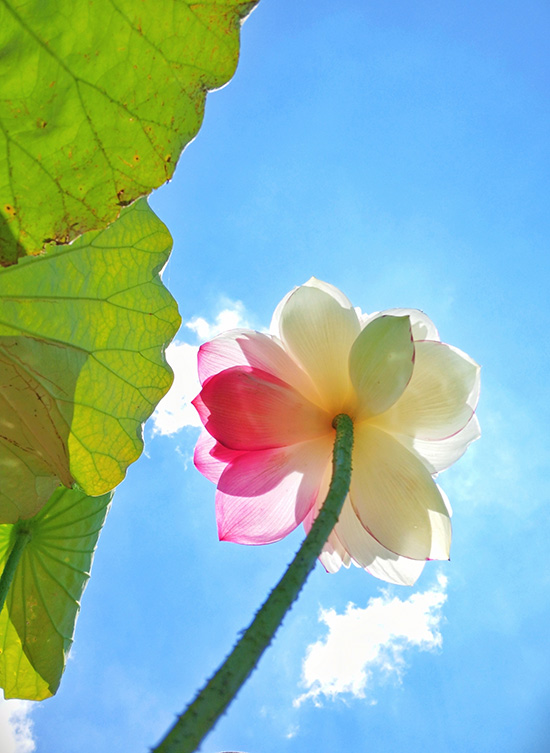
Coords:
441,397
421,325
381,364
211,458
248,409
396,499
318,332
439,454
240,347
262,496
371,555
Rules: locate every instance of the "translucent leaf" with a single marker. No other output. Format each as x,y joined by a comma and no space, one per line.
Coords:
97,100
37,622
82,336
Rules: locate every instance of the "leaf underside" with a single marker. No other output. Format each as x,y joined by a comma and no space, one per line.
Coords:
97,101
82,336
38,620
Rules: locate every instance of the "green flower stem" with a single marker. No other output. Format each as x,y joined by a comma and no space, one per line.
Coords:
22,536
211,702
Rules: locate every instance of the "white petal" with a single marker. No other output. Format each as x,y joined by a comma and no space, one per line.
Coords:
396,499
313,282
371,555
440,398
439,454
334,555
318,331
422,326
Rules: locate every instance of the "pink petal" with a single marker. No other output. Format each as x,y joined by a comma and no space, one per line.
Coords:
262,496
241,347
211,457
248,409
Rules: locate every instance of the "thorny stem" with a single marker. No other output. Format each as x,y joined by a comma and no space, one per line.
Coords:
211,702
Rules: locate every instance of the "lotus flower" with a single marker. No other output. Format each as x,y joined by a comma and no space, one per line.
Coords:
267,404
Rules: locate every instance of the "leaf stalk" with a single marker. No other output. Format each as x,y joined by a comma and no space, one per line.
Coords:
21,538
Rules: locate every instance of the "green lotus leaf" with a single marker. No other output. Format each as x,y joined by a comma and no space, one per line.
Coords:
97,101
82,336
38,619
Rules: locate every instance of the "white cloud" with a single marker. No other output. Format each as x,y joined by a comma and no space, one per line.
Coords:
362,643
292,731
174,412
232,316
16,727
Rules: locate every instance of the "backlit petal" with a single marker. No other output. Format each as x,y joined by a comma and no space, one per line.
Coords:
248,409
334,555
371,555
439,454
440,398
396,499
422,326
264,495
313,282
211,457
241,347
381,364
318,332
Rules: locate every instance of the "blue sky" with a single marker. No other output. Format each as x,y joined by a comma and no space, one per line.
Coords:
399,151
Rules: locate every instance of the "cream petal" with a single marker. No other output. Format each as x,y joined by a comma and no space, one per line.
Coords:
446,500
242,347
371,555
422,326
318,332
313,282
381,364
440,398
396,499
439,454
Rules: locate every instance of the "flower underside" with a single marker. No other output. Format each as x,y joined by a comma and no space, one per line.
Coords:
267,404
